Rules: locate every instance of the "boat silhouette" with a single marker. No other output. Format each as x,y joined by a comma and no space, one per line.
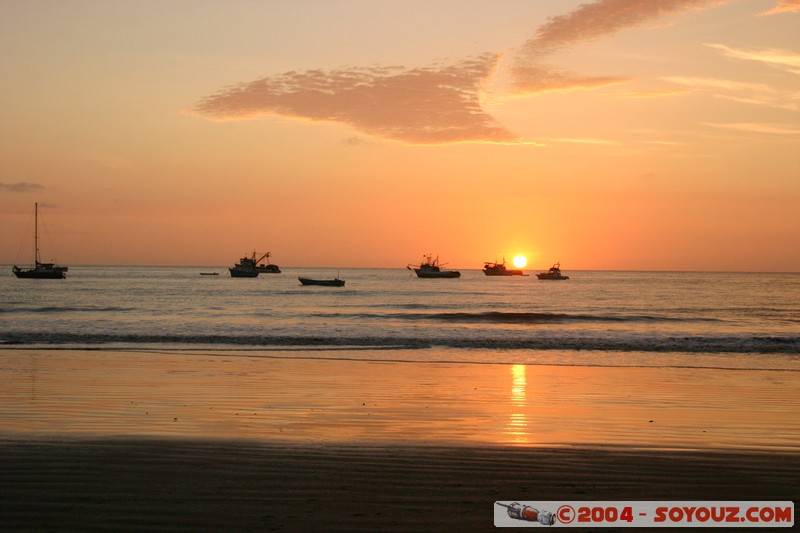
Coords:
336,282
250,267
40,270
430,268
500,269
554,273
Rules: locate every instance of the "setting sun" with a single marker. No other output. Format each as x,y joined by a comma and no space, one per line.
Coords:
520,261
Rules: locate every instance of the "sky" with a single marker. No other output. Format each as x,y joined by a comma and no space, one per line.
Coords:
605,134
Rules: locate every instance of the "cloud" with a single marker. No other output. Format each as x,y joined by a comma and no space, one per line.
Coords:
584,140
785,6
428,105
748,93
586,23
538,78
665,143
773,56
604,17
753,127
657,93
441,103
20,187
715,83
354,141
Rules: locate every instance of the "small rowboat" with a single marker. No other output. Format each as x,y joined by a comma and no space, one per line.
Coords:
323,282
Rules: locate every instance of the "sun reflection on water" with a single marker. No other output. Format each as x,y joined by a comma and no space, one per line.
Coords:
518,423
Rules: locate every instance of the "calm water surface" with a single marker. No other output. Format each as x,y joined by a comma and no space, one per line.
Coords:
738,320
700,360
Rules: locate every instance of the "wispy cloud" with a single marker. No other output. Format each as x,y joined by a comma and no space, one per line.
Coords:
775,57
437,104
21,186
539,78
785,6
655,93
753,127
584,140
665,143
586,23
749,93
715,83
598,19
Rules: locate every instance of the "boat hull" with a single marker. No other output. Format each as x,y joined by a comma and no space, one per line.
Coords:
551,277
243,273
500,269
421,273
553,274
322,282
504,272
431,268
41,272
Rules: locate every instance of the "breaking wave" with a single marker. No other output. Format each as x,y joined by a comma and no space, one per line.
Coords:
740,344
56,309
504,317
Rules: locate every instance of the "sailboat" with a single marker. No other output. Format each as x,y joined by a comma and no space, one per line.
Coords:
40,270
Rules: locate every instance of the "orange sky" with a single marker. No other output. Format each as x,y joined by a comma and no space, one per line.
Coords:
604,135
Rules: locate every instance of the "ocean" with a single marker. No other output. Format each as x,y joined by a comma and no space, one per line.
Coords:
596,318
664,359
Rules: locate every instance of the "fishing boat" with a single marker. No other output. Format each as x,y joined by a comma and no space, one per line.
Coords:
209,273
40,270
336,282
430,268
554,273
250,267
500,269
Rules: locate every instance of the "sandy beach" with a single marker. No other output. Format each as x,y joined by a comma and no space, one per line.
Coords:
201,485
128,441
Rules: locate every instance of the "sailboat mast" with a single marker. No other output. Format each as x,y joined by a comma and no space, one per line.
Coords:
36,233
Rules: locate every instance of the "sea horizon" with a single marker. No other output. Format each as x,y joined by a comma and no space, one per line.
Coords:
530,271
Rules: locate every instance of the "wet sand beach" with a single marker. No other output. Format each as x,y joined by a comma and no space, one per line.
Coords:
134,441
201,485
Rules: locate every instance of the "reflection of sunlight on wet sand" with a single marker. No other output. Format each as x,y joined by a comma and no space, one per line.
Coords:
299,399
518,422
